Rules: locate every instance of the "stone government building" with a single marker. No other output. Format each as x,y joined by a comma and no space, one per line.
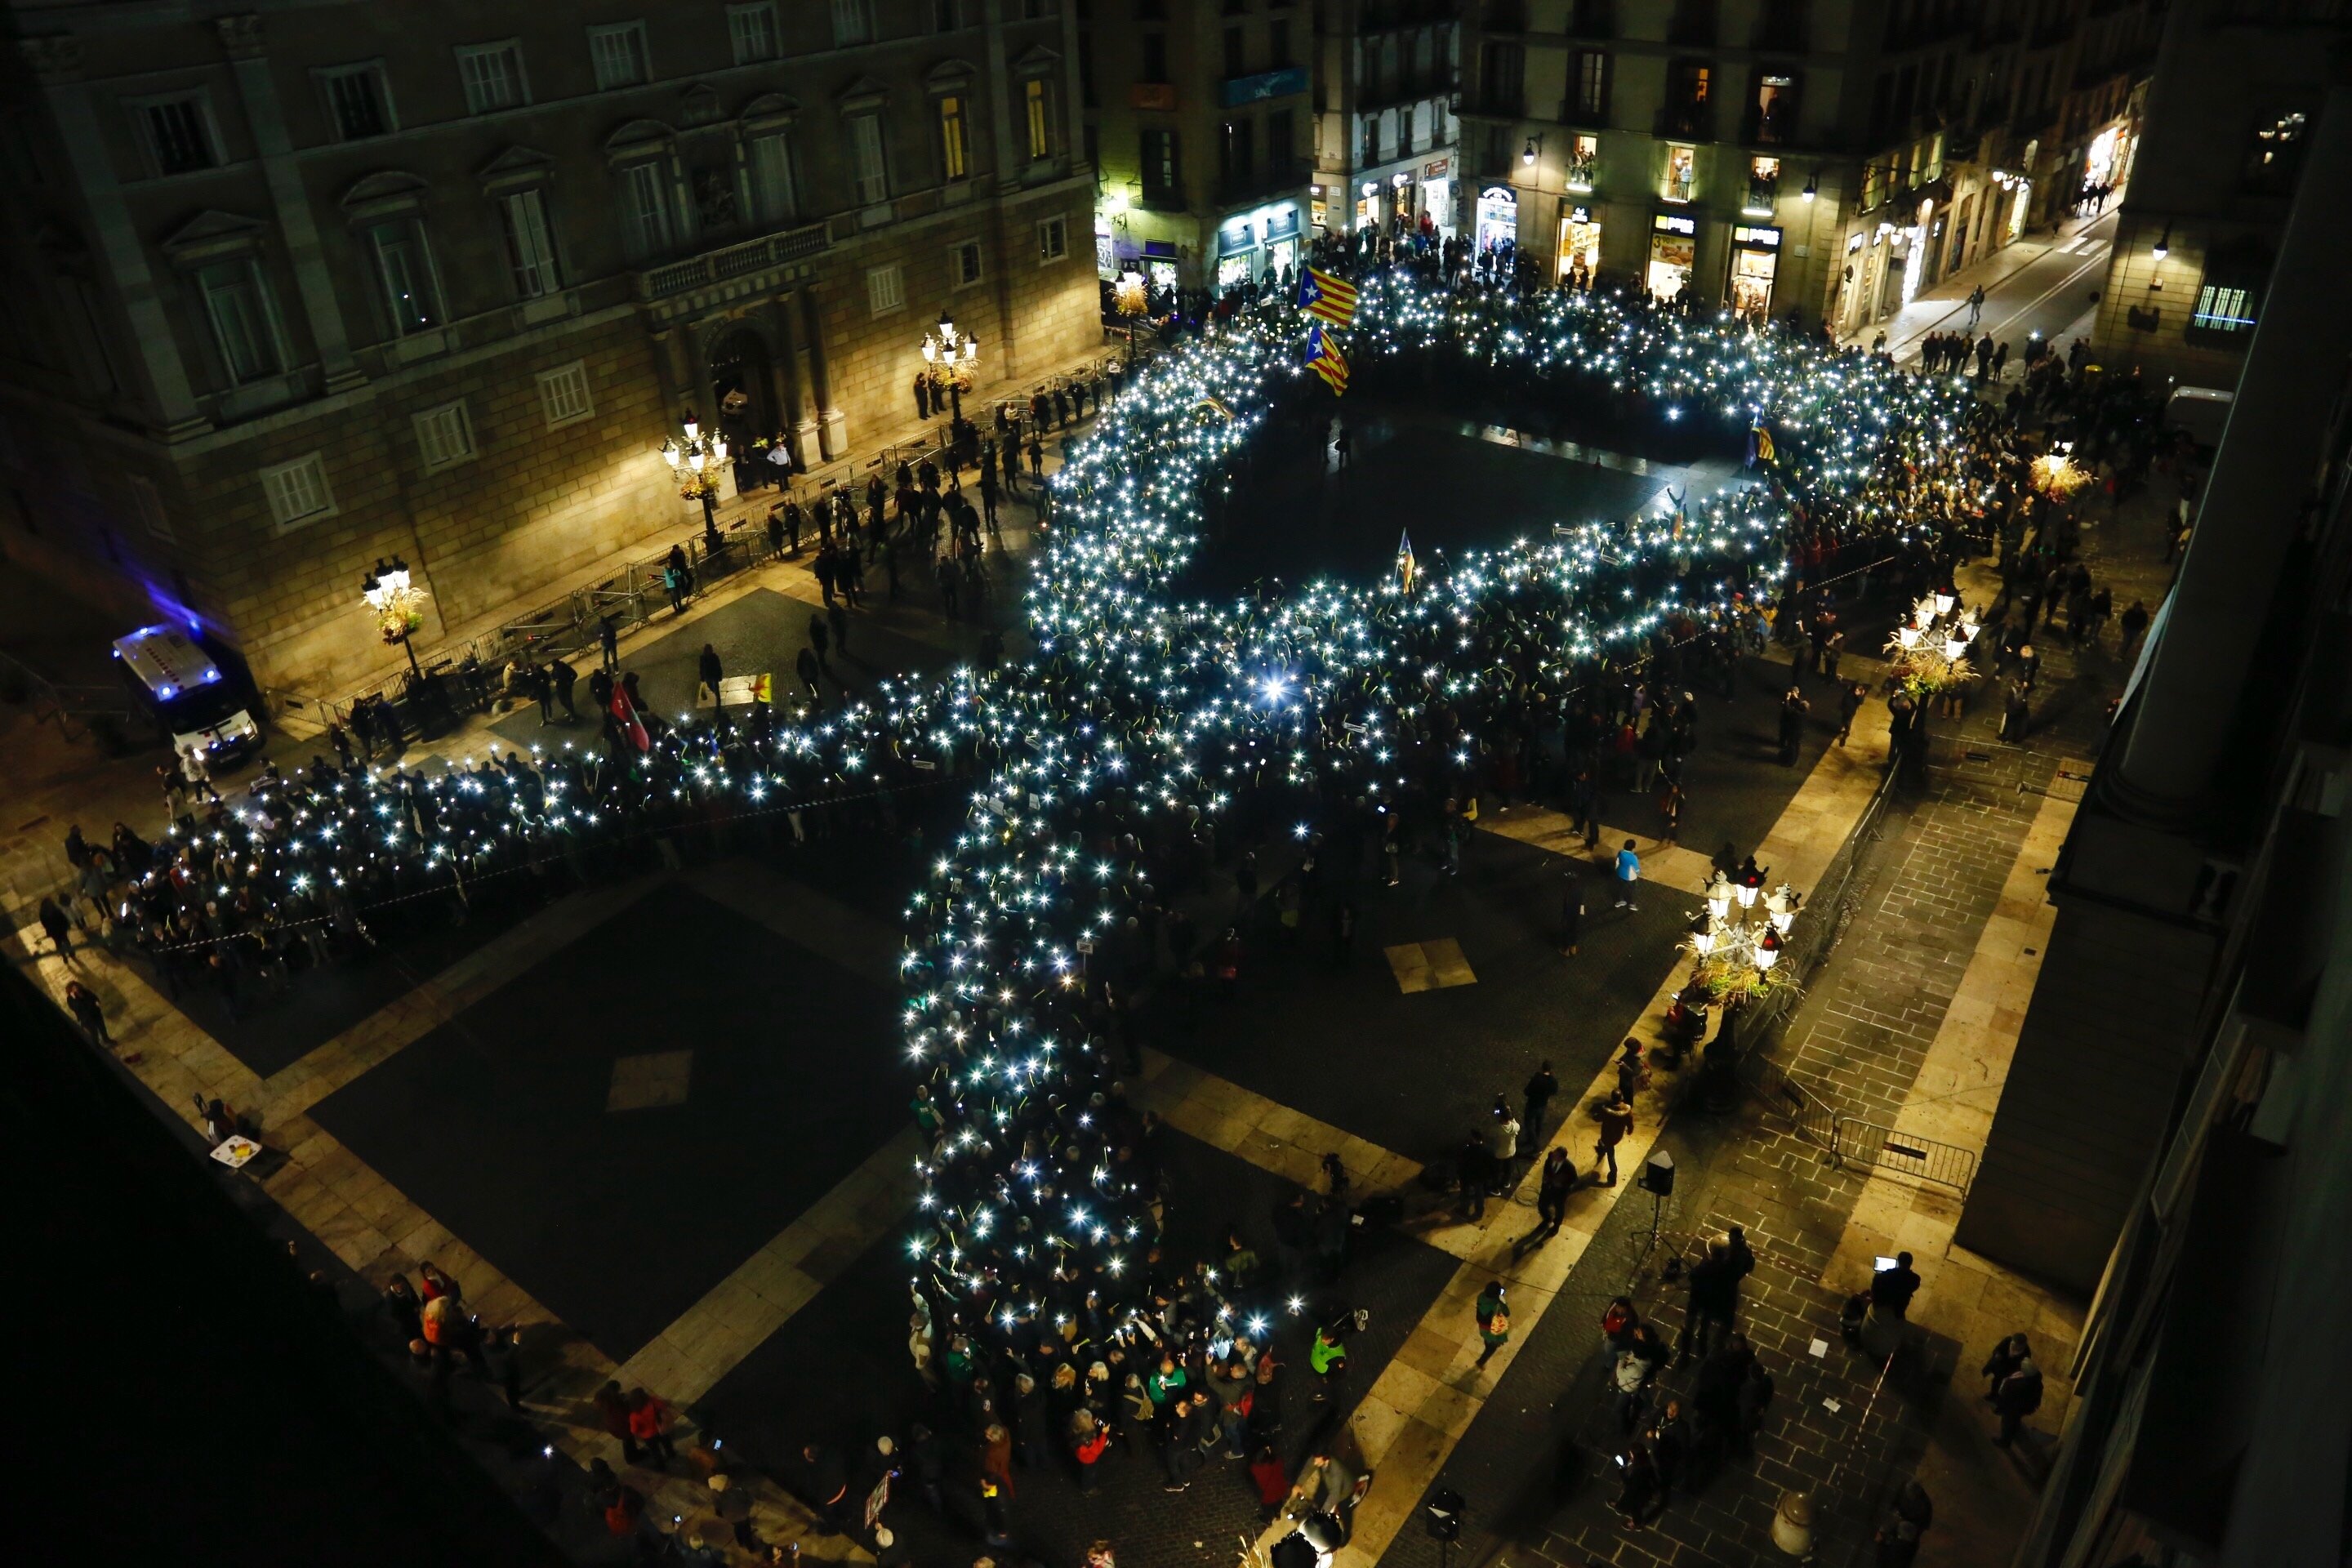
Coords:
287,288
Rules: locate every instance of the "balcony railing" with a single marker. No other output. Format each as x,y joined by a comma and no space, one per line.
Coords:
714,266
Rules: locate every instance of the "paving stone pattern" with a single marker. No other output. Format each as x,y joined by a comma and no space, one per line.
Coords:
1537,1467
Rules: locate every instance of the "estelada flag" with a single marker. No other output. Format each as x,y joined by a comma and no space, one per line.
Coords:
1406,566
1333,299
1324,358
1759,444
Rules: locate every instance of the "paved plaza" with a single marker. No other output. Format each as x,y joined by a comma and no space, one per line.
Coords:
663,1121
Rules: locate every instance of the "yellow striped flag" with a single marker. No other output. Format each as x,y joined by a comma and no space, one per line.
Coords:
1324,358
1333,299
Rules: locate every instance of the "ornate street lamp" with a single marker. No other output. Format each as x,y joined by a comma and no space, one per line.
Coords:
953,357
692,462
1718,897
397,604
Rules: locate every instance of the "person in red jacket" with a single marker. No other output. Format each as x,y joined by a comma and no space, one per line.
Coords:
649,1425
1273,1483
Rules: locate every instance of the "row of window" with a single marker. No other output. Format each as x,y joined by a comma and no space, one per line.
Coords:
299,492
886,286
180,136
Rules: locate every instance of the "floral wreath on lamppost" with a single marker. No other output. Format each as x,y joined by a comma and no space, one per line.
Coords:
397,604
696,463
1738,961
1130,296
951,359
2056,475
1929,652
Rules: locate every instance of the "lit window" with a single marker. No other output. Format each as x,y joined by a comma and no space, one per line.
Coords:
952,149
1041,118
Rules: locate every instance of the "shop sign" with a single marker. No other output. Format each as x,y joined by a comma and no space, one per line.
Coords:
1235,237
1243,89
1437,168
1579,215
1282,224
1499,193
1674,223
1750,233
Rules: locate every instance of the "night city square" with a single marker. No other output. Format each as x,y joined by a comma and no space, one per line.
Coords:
1595,818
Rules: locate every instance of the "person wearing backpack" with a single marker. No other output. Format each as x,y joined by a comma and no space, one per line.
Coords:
1494,1320
2018,1396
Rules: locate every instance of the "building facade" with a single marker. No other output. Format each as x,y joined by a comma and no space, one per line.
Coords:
1197,114
2227,125
2171,1131
1825,158
293,289
1387,141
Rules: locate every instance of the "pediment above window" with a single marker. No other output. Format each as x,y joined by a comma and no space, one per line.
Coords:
638,138
515,169
1039,61
770,111
213,234
863,96
388,193
947,76
700,105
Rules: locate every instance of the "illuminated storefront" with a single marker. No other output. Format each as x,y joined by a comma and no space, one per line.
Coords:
1498,217
1755,262
1282,242
1159,265
1674,251
1579,241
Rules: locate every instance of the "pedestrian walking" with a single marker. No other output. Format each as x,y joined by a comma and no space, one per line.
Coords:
83,1003
1628,872
1713,1284
709,672
1494,1320
1637,1490
1976,304
57,927
1616,1125
1551,1192
1571,913
563,677
608,642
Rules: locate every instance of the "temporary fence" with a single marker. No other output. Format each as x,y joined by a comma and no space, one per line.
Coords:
468,672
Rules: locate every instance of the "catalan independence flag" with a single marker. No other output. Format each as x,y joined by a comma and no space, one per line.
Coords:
1408,569
1324,358
1333,299
1759,444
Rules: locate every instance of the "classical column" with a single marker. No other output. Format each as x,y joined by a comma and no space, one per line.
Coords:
799,402
834,435
1011,152
241,37
2255,499
56,61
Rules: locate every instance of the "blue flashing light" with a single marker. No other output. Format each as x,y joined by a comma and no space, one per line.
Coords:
169,692
212,675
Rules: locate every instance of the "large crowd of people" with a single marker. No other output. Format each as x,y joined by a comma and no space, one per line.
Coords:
1146,742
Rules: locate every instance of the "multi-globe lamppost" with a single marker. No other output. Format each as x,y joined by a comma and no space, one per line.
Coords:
397,604
953,357
1736,958
692,463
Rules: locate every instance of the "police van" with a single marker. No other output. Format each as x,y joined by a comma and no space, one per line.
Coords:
188,693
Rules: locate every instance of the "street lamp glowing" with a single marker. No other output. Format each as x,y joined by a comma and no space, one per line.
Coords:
1718,895
1768,952
1702,932
1528,157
